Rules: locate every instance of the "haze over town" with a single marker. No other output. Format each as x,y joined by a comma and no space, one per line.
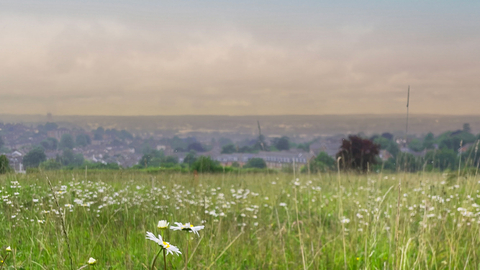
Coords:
238,57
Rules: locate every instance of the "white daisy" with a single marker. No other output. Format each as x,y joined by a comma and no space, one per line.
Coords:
187,227
8,249
170,248
163,224
92,261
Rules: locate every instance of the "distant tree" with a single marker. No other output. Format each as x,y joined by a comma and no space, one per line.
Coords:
410,163
304,146
374,137
152,159
224,141
176,142
228,149
190,158
282,143
49,144
33,158
78,160
429,141
195,146
126,135
452,143
99,165
171,159
357,153
206,165
50,165
416,145
67,142
466,128
4,164
235,164
451,140
50,126
386,144
442,159
146,148
190,140
322,163
388,136
256,163
247,149
2,143
82,140
116,134
98,134
69,158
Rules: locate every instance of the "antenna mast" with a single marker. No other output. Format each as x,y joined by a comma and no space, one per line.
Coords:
408,103
260,139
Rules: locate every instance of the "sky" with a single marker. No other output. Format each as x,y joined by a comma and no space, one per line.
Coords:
149,57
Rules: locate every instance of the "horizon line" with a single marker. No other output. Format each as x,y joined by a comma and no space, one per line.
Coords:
236,115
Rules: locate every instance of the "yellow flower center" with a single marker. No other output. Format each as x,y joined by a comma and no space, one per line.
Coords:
186,228
166,245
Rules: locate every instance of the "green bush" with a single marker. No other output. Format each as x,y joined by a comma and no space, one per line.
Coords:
258,163
206,165
4,164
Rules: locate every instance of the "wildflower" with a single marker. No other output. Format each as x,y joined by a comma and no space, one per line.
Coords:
345,220
169,248
92,261
187,227
162,225
283,204
8,249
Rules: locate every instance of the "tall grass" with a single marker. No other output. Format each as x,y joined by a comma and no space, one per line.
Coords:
252,221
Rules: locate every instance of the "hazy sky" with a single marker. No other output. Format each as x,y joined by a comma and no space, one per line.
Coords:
238,57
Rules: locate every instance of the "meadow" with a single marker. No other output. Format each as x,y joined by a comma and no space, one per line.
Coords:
58,220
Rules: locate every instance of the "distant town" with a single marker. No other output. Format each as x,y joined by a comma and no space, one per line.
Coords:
52,146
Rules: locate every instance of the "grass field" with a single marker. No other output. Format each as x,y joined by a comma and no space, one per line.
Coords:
252,221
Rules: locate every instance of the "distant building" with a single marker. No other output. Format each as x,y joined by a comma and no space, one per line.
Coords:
385,155
274,160
229,159
286,158
330,147
15,159
410,151
465,148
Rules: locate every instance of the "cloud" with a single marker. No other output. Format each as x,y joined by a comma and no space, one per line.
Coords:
110,65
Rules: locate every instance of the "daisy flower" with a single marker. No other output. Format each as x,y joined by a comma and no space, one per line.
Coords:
169,248
8,249
163,224
187,227
92,261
